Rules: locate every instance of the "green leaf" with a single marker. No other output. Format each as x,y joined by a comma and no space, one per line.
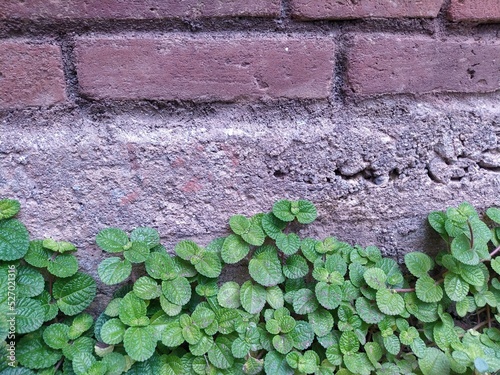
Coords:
172,335
115,362
348,343
288,243
434,362
75,293
253,366
254,236
14,240
252,297
283,210
64,265
114,270
265,267
112,240
9,208
307,212
321,321
58,246
304,301
373,352
276,364
37,255
82,362
80,345
203,316
56,335
147,288
295,267
239,224
461,250
358,363
234,249
329,296
229,295
33,353
49,306
274,297
283,343
302,335
137,253
368,311
29,315
202,346
390,303
495,264
139,342
455,287
391,344
177,291
437,221
146,235
427,290
209,265
132,310
419,264
375,278
472,274
492,212
272,225
29,282
161,266
82,323
220,354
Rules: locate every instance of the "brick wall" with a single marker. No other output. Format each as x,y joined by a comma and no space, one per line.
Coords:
180,113
242,61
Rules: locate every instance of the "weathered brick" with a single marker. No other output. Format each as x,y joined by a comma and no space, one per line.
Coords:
475,10
136,9
30,75
348,9
382,64
205,68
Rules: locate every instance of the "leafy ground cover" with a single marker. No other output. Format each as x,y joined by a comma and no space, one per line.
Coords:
311,306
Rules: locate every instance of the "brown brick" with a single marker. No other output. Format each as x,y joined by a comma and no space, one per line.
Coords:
136,9
383,64
205,68
348,9
475,10
30,75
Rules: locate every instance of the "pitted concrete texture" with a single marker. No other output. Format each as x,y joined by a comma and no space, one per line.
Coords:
375,169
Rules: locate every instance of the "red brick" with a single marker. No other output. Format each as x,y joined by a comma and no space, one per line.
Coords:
475,10
349,9
205,68
30,75
136,9
383,64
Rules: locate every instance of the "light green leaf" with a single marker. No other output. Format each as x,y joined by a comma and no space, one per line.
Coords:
391,344
461,250
368,311
348,343
147,288
220,354
304,301
64,265
37,255
209,265
203,316
472,274
288,243
229,295
437,221
302,335
82,362
114,270
252,297
373,352
390,303
265,267
188,249
239,224
272,225
275,363
307,212
254,235
283,210
14,240
49,306
253,366
202,346
427,290
492,212
161,266
329,296
321,321
191,334
172,335
358,363
171,309
29,282
58,246
177,291
56,335
283,343
375,278
115,362
9,208
81,323
80,345
419,264
132,310
434,362
234,249
75,293
29,315
139,342
137,253
455,287
112,240
274,297
295,267
146,235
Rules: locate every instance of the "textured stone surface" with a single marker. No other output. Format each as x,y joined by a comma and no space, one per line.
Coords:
205,68
135,9
381,64
348,9
475,10
375,169
30,75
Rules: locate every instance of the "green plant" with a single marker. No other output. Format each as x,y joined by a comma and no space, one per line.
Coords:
310,306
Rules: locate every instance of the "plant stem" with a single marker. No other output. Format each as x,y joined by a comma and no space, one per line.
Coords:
494,252
58,364
409,290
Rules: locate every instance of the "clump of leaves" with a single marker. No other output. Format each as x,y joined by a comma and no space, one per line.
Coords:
310,306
